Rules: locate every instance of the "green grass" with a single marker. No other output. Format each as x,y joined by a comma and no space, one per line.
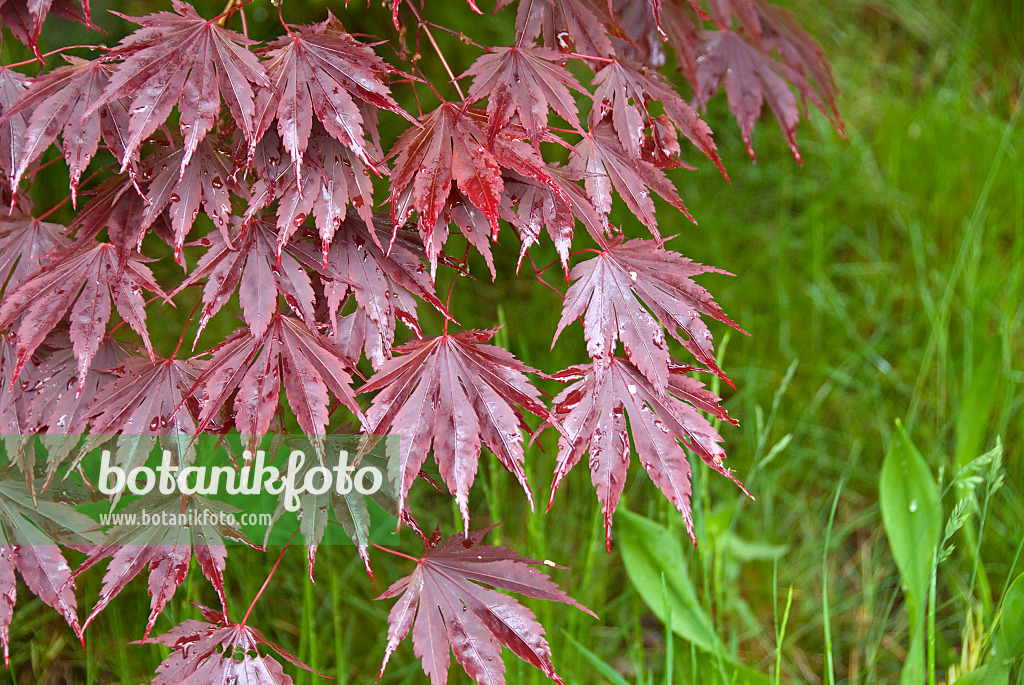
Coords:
880,281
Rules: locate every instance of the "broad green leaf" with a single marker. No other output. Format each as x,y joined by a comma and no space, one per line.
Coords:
912,516
1011,621
648,550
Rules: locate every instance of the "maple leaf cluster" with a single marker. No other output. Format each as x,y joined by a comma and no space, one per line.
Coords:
279,146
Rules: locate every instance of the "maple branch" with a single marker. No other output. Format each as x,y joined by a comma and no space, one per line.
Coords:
230,9
397,554
430,36
281,17
53,209
265,582
461,36
54,52
184,329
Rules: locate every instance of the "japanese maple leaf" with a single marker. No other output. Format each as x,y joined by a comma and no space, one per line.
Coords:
115,205
444,603
447,147
165,549
385,284
623,92
322,69
529,81
219,652
253,368
603,163
529,204
610,293
84,280
185,59
180,189
24,18
782,33
12,125
57,411
57,103
579,26
594,410
31,526
751,78
335,179
250,263
454,392
24,241
147,400
452,146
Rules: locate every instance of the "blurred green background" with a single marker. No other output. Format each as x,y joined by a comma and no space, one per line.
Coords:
882,280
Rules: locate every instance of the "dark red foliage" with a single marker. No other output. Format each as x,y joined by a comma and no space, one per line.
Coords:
218,651
446,608
255,167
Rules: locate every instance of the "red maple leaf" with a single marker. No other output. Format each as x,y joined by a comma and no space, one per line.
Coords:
385,285
322,69
454,392
610,292
165,549
24,18
85,280
593,413
186,60
751,78
529,81
603,164
253,368
443,603
24,242
623,93
57,102
335,179
251,264
180,189
219,652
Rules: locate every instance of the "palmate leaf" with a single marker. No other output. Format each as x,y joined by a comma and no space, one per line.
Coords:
608,292
335,179
603,163
454,392
252,369
322,69
181,58
385,283
83,279
593,414
218,651
623,93
751,78
444,604
57,102
451,146
31,527
251,264
527,81
24,18
166,550
180,189
24,241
